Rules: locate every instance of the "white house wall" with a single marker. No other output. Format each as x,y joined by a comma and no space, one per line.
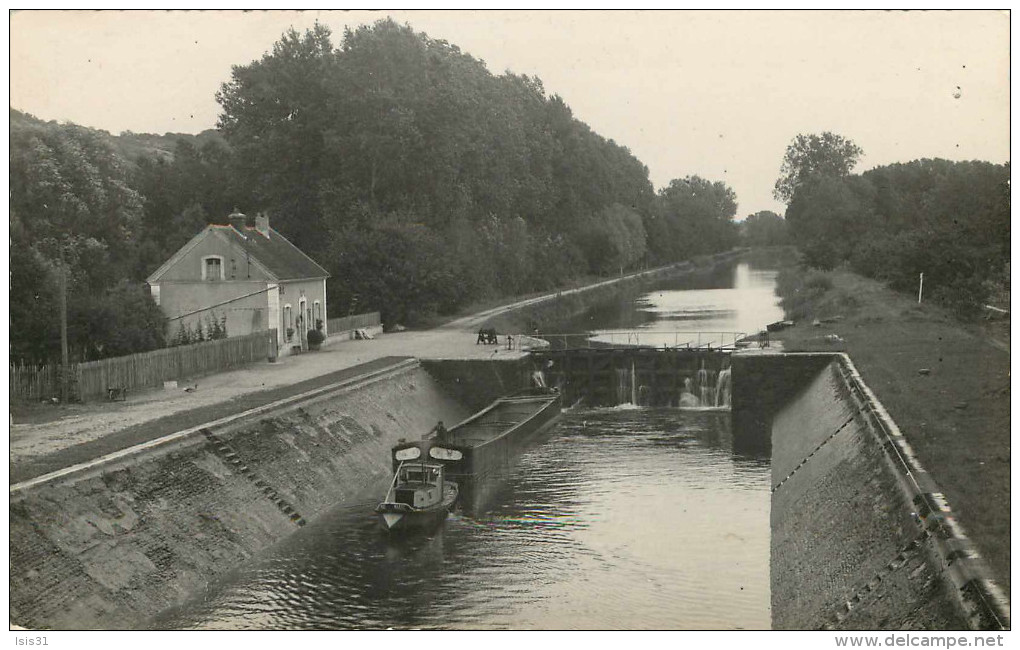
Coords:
291,293
244,304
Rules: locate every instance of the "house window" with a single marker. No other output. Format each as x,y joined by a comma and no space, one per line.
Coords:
288,322
212,268
318,314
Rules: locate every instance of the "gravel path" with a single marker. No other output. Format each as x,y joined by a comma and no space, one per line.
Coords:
48,438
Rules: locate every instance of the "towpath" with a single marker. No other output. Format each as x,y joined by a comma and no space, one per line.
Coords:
51,438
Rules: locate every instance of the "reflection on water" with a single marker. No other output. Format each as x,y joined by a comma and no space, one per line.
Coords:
736,297
616,518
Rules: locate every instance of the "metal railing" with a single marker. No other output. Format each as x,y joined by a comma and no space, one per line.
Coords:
690,340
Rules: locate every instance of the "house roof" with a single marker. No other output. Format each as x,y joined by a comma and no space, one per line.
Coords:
280,259
275,252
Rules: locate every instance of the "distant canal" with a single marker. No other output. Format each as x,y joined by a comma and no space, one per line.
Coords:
617,518
698,309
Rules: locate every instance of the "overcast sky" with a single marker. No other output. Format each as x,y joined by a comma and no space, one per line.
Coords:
717,94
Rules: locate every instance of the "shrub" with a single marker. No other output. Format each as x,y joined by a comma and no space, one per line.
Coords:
818,281
964,296
315,337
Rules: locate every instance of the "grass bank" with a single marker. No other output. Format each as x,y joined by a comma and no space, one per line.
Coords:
945,382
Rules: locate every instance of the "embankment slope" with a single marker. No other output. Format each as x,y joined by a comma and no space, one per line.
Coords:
112,549
846,552
945,383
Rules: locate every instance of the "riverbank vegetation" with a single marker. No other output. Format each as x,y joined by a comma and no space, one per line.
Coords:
420,180
947,220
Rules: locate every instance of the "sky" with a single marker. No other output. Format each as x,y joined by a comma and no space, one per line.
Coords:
719,94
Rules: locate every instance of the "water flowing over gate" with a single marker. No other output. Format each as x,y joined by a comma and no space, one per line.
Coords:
678,377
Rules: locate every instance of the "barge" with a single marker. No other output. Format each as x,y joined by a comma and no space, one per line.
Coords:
488,440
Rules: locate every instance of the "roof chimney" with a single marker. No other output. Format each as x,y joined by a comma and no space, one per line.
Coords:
262,224
238,220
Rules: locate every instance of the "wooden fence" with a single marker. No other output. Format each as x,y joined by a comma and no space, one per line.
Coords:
35,382
336,326
92,379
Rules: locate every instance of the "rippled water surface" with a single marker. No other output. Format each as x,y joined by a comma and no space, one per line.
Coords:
707,307
616,518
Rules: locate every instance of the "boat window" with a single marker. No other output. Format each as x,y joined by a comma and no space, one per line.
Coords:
413,475
443,453
409,453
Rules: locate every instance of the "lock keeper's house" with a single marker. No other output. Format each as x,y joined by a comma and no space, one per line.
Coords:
244,275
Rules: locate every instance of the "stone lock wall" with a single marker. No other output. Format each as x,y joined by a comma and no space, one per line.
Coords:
112,549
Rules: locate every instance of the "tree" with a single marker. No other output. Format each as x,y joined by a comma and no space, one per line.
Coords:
275,114
764,228
393,124
698,216
614,240
827,154
400,268
122,320
829,217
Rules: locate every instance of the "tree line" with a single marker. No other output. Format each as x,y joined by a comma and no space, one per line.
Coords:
948,220
420,180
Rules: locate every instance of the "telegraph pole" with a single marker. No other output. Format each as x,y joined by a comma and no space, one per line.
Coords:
63,329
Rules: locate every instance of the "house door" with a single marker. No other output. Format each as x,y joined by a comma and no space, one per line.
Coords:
303,323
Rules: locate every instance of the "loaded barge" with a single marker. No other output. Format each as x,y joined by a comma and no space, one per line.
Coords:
489,439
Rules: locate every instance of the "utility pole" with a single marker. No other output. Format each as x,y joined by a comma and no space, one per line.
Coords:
63,329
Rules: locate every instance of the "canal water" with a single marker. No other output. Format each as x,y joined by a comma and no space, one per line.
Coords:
700,309
616,518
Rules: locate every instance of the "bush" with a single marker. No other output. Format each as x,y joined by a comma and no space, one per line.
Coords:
315,337
820,282
964,296
801,291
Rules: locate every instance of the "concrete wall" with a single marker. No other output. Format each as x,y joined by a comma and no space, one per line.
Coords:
476,383
763,384
853,545
112,549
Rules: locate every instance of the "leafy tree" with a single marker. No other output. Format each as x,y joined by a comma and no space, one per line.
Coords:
399,268
415,176
122,320
949,220
275,115
74,212
68,184
764,228
830,217
698,217
827,154
410,128
615,240
34,303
